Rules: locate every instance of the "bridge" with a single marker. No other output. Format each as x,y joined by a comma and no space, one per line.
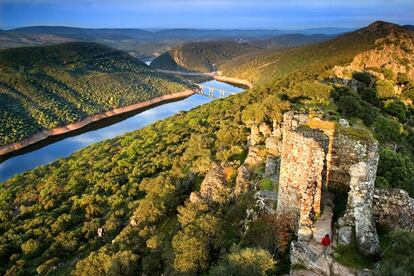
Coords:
213,92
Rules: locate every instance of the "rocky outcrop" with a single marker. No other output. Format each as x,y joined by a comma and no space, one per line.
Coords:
255,157
254,137
213,189
393,208
243,181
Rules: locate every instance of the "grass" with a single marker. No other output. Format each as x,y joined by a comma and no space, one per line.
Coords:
266,184
349,255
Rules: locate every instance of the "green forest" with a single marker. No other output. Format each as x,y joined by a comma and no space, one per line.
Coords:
51,86
201,56
135,187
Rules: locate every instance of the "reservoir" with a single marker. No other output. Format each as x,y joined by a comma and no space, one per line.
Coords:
64,146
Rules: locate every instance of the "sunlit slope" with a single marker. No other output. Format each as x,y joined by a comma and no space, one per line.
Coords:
273,64
46,87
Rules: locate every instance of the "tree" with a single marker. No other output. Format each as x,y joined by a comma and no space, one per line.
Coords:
396,108
398,256
247,261
387,130
121,263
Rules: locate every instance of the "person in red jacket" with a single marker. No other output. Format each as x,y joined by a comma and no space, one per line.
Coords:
326,241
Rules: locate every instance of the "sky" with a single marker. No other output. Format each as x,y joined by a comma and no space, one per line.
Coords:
204,14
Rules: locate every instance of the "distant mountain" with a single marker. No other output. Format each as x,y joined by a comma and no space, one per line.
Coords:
291,40
138,42
327,31
49,86
410,27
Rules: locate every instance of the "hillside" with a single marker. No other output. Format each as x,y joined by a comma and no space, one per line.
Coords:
338,51
201,56
46,87
211,55
197,193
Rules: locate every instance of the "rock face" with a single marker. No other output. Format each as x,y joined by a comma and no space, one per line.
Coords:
394,208
213,189
315,155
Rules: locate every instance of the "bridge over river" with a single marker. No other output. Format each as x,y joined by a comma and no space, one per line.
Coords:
213,92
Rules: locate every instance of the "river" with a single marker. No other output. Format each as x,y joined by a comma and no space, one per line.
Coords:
32,158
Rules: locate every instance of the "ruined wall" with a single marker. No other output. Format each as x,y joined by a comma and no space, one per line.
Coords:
394,208
348,149
318,155
301,173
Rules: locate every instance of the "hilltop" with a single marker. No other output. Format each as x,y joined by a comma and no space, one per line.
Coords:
51,86
323,135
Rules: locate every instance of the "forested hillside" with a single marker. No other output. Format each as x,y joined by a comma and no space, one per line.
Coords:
201,56
46,87
274,64
134,190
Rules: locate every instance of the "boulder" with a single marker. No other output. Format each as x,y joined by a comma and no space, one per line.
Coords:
264,129
254,137
343,122
345,234
273,145
254,157
213,189
301,254
243,182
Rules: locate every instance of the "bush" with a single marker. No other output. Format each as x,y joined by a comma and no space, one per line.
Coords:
396,108
385,89
398,258
247,261
395,170
362,77
387,130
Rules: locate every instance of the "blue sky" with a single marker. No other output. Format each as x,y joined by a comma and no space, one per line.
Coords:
246,14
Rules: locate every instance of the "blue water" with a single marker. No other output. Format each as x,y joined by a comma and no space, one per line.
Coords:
67,146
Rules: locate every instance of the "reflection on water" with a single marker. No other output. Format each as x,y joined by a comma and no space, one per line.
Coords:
67,146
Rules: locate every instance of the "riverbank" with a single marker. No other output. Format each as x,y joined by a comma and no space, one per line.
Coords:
214,75
233,81
48,133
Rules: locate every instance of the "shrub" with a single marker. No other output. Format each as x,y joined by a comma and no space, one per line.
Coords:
247,261
398,256
362,77
396,108
395,170
385,89
387,130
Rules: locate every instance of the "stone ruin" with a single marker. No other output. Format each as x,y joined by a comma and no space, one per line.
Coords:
317,155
